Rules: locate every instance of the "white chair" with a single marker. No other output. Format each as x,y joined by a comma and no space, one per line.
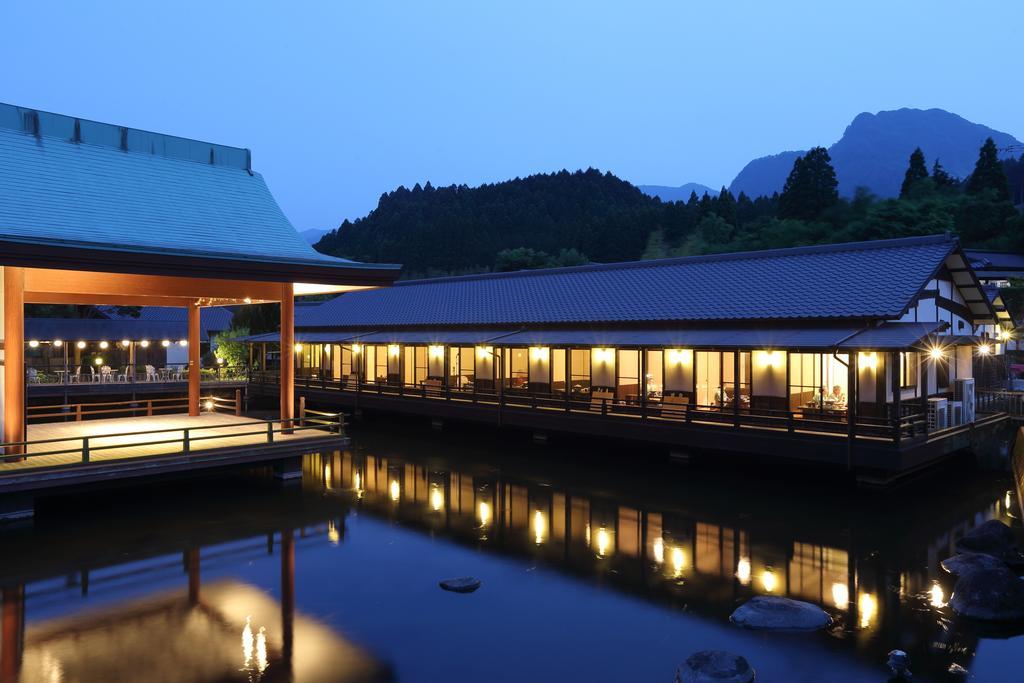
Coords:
76,377
150,373
93,375
123,375
33,376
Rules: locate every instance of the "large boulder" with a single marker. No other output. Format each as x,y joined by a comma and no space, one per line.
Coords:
989,595
781,614
959,565
714,666
993,538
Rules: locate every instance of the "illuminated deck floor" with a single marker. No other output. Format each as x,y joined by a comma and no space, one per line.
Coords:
224,431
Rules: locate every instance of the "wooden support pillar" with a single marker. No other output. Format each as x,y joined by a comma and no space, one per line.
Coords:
893,363
287,354
287,595
13,634
14,357
193,360
192,567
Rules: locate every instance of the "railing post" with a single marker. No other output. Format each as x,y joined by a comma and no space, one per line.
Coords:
78,412
302,411
270,431
604,406
184,441
149,408
238,402
341,423
85,449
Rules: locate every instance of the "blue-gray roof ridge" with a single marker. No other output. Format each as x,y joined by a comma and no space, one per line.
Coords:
942,238
127,139
862,281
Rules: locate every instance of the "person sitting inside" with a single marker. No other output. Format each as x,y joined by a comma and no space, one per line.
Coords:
837,397
722,397
820,398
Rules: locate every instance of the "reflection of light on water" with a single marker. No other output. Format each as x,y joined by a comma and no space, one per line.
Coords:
586,533
678,561
332,532
327,475
937,596
485,513
539,527
396,490
743,570
659,550
769,580
840,595
50,667
867,605
247,642
436,498
604,541
358,481
261,650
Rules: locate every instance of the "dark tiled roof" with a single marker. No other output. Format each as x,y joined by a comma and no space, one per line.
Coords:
876,280
103,329
211,318
995,264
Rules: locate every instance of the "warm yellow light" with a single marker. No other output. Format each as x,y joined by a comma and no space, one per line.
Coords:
436,498
604,541
80,344
840,595
247,300
540,353
436,351
680,356
393,350
298,348
1005,335
183,342
678,560
604,355
332,532
768,359
165,343
104,345
867,605
209,404
936,353
327,475
33,343
540,527
868,361
356,348
484,511
357,481
769,580
484,351
395,489
937,596
58,343
98,361
220,361
984,349
1007,501
144,343
743,570
659,550
125,343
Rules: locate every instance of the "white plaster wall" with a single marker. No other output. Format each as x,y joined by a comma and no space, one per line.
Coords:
769,373
678,370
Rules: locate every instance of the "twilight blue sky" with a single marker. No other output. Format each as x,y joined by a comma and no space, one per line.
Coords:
341,101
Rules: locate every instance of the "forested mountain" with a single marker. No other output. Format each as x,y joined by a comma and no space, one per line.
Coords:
570,218
873,151
461,229
677,194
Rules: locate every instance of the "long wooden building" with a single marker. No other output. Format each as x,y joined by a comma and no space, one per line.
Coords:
861,353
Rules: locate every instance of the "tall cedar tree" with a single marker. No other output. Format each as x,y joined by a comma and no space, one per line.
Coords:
943,180
915,172
988,173
810,188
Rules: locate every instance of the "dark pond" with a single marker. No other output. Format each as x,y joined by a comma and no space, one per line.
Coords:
596,566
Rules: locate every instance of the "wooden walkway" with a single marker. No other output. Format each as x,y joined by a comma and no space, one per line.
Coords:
119,439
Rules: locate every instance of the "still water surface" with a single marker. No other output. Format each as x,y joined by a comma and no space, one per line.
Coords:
595,566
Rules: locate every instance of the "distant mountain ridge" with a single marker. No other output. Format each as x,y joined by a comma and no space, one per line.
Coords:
874,151
676,194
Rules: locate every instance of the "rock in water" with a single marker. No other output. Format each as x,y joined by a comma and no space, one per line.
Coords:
714,666
957,670
989,595
899,664
993,538
769,612
463,584
958,565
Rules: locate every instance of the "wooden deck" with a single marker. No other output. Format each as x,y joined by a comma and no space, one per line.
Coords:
122,439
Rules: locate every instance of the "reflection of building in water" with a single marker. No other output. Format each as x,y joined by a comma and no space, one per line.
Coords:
652,547
208,633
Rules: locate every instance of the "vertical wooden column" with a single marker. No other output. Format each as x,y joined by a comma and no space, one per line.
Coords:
192,567
287,594
287,354
193,360
12,637
14,357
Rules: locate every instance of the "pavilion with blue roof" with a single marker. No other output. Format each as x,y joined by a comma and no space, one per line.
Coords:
100,214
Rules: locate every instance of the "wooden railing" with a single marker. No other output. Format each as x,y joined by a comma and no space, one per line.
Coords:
1001,400
184,440
65,375
148,407
911,425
